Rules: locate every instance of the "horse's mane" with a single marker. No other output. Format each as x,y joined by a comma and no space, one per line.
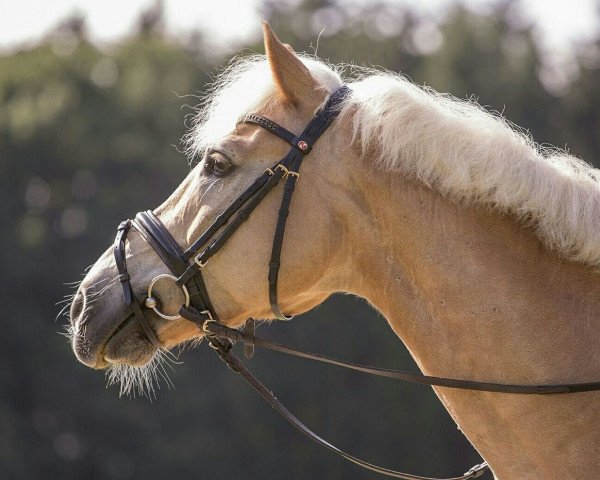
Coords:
456,147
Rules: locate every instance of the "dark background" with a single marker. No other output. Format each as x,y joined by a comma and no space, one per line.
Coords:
89,136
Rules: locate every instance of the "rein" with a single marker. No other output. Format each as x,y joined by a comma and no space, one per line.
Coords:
186,272
215,329
220,339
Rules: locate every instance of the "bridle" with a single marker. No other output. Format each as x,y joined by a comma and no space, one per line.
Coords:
188,276
186,272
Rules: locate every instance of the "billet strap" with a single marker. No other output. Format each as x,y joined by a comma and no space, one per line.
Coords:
223,349
249,328
128,293
121,262
220,330
194,315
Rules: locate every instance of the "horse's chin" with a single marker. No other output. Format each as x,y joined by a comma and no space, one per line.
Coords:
128,345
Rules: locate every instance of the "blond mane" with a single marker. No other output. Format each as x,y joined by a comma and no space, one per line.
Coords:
455,147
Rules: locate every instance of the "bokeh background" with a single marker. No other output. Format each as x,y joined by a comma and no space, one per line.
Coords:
89,134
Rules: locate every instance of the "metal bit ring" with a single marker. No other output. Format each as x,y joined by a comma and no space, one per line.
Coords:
151,302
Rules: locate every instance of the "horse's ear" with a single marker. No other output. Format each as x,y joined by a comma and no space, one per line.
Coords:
292,79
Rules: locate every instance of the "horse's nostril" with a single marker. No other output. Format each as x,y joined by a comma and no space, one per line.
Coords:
77,306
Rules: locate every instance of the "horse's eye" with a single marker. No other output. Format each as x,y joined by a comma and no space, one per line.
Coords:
217,163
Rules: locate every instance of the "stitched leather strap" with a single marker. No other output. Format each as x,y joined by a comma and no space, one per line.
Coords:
317,126
224,352
270,125
167,248
230,227
161,240
224,216
274,262
222,331
128,293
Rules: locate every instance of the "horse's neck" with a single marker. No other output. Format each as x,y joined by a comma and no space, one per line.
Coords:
473,295
471,278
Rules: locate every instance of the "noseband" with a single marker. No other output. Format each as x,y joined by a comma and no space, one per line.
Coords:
186,272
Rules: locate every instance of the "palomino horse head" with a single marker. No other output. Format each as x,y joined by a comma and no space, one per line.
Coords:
287,90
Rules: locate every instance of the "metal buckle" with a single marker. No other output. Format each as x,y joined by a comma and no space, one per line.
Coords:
287,172
198,261
283,168
269,171
154,305
206,322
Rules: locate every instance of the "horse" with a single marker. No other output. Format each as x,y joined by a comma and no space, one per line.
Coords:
479,247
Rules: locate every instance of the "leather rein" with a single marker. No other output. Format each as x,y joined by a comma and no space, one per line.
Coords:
186,272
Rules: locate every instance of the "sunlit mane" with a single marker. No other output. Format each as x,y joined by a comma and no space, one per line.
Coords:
244,86
456,147
471,156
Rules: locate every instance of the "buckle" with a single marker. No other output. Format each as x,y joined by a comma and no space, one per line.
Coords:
287,172
283,168
199,262
206,322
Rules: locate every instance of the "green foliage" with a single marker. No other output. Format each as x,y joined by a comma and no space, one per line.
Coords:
88,137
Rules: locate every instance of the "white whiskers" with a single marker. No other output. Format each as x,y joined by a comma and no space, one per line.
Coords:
132,381
143,381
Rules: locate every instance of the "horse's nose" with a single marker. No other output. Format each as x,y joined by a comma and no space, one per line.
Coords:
78,306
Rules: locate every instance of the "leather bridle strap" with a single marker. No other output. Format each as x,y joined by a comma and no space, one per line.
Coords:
270,125
222,338
231,227
156,234
161,240
225,225
302,144
224,217
128,293
223,349
220,330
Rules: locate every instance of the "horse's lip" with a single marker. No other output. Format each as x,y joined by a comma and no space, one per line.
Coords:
119,327
102,362
89,343
133,349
